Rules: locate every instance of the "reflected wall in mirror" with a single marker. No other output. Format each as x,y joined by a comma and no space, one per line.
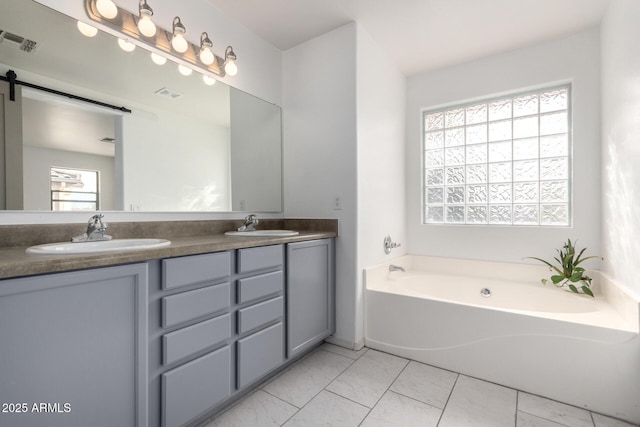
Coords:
186,146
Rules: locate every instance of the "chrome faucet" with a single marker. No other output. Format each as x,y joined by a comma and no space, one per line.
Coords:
95,230
250,223
395,268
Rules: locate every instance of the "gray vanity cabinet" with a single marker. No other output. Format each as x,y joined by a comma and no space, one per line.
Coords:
310,294
191,329
260,314
73,348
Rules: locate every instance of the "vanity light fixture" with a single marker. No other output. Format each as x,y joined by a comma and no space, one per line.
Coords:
230,66
107,8
208,80
178,42
206,54
137,30
126,45
158,59
86,29
145,24
185,71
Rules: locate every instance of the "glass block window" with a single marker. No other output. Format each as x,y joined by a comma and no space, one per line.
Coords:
503,161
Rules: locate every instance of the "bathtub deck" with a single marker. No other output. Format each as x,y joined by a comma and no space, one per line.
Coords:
335,386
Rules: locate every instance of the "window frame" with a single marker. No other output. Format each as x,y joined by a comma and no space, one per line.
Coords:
511,95
52,191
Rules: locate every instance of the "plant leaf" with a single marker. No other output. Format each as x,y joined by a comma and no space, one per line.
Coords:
544,281
587,291
556,279
573,288
576,277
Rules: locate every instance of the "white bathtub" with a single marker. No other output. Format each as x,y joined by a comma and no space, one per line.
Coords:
541,339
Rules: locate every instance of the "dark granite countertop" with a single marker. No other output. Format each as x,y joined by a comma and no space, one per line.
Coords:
209,237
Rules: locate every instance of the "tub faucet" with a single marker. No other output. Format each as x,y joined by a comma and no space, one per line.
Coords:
395,268
250,223
95,230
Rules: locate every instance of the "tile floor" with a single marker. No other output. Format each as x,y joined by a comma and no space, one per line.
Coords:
334,386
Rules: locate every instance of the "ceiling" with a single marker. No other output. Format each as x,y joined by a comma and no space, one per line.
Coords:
419,35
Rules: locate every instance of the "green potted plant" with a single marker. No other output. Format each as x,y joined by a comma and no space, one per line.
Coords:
569,272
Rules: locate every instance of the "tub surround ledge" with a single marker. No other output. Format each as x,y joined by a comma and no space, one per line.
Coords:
187,238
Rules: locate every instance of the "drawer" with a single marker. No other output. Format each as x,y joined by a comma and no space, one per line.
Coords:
193,304
192,339
191,389
252,259
194,269
260,314
260,286
259,353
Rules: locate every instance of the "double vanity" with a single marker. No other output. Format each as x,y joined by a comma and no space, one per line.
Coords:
163,336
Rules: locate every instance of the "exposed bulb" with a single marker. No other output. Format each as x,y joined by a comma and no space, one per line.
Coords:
158,59
107,8
208,80
206,56
231,68
178,42
146,26
86,29
126,45
185,71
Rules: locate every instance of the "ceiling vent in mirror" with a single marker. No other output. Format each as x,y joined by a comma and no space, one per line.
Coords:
23,43
168,93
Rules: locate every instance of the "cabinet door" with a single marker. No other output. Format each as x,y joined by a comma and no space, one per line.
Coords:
310,290
194,387
73,348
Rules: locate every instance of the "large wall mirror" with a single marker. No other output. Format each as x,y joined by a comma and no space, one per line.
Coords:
185,146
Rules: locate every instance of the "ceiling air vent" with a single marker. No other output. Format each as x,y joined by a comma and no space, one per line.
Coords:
168,93
22,43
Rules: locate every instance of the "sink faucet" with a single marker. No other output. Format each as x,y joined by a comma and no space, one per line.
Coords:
95,230
250,223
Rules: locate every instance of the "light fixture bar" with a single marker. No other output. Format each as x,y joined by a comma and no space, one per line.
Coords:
126,22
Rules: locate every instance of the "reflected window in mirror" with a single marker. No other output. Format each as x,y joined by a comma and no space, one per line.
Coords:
74,190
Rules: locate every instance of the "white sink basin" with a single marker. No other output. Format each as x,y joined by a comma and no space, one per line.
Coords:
116,245
263,233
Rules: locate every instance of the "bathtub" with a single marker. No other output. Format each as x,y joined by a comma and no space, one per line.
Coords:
497,322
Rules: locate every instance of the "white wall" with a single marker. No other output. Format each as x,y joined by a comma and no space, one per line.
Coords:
574,58
320,151
381,161
621,143
167,169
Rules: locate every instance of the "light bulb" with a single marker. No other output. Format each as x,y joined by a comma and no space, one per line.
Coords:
86,29
231,68
126,45
146,26
107,8
208,80
185,71
158,59
206,56
178,42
